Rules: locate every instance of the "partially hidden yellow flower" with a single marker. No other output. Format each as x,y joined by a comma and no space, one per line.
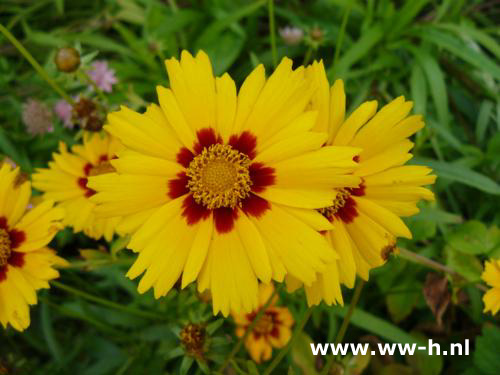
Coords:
491,276
366,219
65,181
222,185
26,263
272,330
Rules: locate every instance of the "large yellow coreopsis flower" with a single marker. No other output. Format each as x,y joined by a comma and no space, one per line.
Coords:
65,181
26,264
366,219
223,184
273,329
491,276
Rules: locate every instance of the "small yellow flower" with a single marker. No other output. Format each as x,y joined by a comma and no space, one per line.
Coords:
366,219
26,263
272,330
65,181
491,276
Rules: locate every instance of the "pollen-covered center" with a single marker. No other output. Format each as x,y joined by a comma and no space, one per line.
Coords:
338,203
265,324
5,247
102,168
219,177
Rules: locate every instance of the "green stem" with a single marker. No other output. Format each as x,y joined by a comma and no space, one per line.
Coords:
175,10
340,38
103,302
427,262
283,352
307,56
39,69
272,32
92,83
345,324
249,329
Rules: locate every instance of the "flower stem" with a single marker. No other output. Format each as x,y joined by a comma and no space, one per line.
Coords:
249,329
272,32
345,324
39,69
113,305
340,38
283,352
307,56
427,262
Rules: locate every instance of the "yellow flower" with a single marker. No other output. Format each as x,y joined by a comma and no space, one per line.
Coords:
366,220
273,329
491,276
26,264
222,184
65,181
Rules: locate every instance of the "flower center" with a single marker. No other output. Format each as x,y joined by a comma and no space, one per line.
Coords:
102,168
338,203
5,249
265,324
219,177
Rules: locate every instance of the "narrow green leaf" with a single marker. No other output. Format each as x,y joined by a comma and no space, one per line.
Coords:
462,174
418,87
48,333
481,37
378,326
358,50
435,79
462,50
404,16
186,364
483,119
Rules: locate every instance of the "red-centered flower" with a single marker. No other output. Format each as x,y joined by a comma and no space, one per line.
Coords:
221,187
26,264
273,329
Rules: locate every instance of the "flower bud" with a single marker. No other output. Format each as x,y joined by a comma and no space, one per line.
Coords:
193,339
316,34
67,59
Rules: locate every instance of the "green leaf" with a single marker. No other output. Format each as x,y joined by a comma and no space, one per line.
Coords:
483,119
302,355
486,353
223,50
472,237
214,326
186,364
418,88
402,299
476,34
451,44
468,266
252,368
404,16
462,174
48,333
358,50
378,326
437,85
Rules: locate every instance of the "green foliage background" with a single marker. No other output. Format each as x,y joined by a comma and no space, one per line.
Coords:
442,54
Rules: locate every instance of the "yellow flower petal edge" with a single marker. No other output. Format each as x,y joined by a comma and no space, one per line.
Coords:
491,276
